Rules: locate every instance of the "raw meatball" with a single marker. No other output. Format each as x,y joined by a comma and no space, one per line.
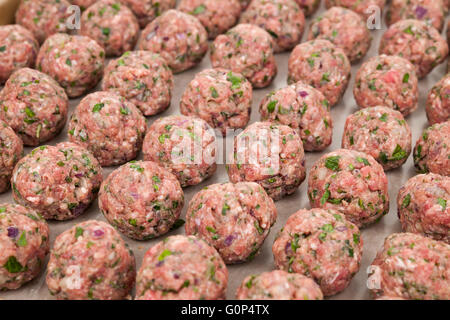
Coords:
43,17
271,155
432,150
182,268
323,66
380,132
18,49
344,28
422,206
58,181
309,7
278,285
221,97
216,16
233,218
25,242
246,49
143,78
141,199
430,11
112,24
186,146
438,103
417,42
76,62
34,105
83,4
320,244
109,126
362,7
351,182
91,261
304,109
389,81
147,10
11,150
282,19
178,37
411,266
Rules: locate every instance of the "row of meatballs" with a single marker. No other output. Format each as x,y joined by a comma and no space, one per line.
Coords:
113,130
327,194
317,252
248,48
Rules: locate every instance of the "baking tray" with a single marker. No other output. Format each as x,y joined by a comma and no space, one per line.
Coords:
373,236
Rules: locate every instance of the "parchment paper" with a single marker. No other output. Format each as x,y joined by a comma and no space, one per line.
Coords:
373,236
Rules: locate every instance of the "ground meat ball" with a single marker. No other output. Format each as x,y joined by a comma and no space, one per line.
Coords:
233,218
344,28
438,103
430,11
91,261
323,66
411,266
76,62
24,239
184,145
112,24
380,132
271,155
304,109
146,11
182,268
221,97
58,181
282,19
18,49
216,16
278,285
309,7
417,42
320,244
43,17
141,199
422,206
34,105
362,7
143,78
109,126
83,4
432,150
351,182
387,81
178,37
246,49
11,150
